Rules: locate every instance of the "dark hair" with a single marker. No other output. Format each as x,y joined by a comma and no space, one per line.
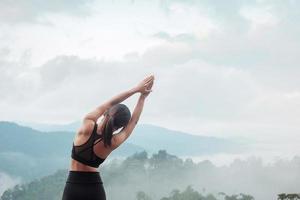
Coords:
116,117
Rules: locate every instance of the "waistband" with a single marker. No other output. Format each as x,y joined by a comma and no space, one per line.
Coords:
83,177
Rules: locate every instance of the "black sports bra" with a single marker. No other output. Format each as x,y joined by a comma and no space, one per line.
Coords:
84,153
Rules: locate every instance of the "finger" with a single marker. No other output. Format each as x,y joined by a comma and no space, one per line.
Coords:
149,86
151,83
148,83
149,79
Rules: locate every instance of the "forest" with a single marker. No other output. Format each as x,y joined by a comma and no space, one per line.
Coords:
161,176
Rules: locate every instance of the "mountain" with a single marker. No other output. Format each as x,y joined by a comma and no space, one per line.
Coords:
30,153
51,127
152,138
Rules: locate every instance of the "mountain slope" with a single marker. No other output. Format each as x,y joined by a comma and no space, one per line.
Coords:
29,153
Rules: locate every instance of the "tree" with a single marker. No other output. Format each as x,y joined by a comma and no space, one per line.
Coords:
141,195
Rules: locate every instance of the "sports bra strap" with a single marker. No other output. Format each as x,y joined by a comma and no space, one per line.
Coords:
93,136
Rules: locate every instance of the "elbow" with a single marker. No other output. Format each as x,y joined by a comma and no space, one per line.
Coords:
105,106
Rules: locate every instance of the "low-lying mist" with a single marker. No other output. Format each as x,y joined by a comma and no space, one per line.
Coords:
156,176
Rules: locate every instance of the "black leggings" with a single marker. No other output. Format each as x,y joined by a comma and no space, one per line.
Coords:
81,185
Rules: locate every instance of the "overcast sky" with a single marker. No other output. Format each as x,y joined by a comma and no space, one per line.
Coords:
223,68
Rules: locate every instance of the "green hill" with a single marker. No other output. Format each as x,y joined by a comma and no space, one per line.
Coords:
137,177
29,153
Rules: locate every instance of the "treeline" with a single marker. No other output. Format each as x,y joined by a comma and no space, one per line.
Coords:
190,194
166,177
284,196
137,177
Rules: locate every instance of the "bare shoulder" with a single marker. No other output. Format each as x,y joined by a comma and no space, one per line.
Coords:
84,131
86,127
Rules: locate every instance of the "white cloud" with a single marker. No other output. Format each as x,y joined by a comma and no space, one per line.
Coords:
32,11
225,69
259,17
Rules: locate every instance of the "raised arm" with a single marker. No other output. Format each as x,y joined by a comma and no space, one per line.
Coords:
120,137
98,111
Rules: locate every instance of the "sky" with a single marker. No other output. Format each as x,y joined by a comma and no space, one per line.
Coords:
222,68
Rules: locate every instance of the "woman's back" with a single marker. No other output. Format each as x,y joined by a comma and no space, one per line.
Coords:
88,150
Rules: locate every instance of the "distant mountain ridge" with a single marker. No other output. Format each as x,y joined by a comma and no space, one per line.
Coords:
29,153
153,138
52,127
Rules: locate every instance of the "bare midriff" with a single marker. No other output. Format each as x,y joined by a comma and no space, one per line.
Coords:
77,166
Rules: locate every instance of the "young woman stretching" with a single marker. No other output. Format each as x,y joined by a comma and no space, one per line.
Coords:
94,141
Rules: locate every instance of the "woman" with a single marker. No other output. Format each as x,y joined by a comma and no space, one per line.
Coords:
95,141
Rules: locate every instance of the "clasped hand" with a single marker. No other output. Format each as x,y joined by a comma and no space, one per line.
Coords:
145,86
